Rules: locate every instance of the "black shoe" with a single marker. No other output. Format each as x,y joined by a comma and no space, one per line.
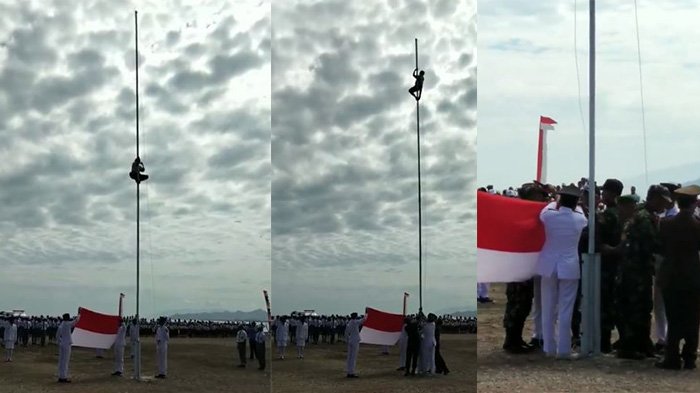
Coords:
116,374
353,376
517,349
536,343
401,369
668,365
630,355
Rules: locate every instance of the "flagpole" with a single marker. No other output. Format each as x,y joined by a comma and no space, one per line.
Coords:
591,284
137,357
420,216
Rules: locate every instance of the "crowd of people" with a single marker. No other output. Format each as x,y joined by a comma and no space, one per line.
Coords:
24,331
419,342
650,263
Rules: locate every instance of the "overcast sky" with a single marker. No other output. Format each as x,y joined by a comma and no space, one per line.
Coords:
344,202
67,223
528,69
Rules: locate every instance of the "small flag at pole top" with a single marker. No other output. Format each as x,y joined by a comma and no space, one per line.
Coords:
547,123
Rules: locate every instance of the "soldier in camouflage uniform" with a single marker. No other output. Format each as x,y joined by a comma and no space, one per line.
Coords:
609,236
639,242
520,294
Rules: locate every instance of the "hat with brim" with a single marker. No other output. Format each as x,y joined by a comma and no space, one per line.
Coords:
691,191
570,190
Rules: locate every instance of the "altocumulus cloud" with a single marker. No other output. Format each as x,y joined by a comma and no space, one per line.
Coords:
344,189
67,108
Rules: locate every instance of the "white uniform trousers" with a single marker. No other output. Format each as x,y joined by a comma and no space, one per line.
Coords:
403,345
63,361
537,308
353,349
162,352
660,323
119,358
557,295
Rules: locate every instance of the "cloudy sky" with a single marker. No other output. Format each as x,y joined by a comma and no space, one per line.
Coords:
67,223
344,190
528,69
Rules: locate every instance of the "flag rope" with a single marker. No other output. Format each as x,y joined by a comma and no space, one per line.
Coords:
641,94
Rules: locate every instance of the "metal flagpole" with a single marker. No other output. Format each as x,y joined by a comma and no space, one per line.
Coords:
137,357
420,216
591,339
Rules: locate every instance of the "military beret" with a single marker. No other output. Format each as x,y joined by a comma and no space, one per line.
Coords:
614,186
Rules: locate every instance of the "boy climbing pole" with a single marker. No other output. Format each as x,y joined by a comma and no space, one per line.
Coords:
137,170
417,89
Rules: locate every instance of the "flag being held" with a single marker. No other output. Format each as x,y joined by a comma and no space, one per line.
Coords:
95,330
381,328
509,238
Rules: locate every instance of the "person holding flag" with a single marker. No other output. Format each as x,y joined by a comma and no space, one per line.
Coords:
65,341
119,344
558,267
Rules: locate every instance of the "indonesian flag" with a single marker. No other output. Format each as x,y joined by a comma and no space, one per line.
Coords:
509,238
95,330
381,328
547,123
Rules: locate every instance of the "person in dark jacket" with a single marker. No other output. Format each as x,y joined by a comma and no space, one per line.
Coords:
412,347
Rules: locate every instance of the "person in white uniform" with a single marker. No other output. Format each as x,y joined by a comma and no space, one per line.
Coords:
403,345
352,337
65,341
134,336
241,341
119,344
301,336
281,336
162,338
10,338
558,267
427,346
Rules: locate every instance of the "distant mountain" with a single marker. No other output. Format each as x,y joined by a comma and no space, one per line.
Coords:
696,182
672,174
468,314
457,312
256,315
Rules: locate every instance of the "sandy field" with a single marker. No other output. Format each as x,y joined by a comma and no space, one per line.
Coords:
501,372
323,370
194,365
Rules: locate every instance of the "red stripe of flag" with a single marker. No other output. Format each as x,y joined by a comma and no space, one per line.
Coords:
547,120
98,323
383,321
508,224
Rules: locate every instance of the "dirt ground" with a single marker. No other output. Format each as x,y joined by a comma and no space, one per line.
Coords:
501,372
323,370
194,365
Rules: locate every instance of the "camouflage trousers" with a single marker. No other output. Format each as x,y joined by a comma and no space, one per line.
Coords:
519,303
634,303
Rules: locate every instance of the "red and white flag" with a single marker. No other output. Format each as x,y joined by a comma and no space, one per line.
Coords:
95,330
547,123
509,238
381,328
